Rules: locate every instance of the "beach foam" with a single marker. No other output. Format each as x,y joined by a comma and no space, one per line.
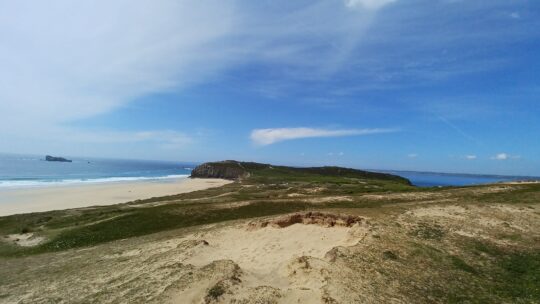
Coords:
30,183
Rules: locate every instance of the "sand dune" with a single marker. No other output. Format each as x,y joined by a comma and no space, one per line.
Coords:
272,256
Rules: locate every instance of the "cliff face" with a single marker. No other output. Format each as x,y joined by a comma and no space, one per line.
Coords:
224,169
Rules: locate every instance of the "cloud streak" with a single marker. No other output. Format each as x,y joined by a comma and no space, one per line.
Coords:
505,156
368,4
264,137
93,57
64,62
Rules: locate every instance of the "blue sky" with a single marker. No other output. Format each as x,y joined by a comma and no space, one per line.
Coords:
438,85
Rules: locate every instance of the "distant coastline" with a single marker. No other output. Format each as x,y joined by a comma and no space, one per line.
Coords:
441,179
526,177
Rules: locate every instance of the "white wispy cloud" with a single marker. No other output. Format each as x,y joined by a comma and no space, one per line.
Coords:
84,59
412,155
63,61
471,157
505,156
79,60
337,154
265,137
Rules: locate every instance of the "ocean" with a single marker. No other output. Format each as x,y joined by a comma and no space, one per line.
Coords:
433,179
33,171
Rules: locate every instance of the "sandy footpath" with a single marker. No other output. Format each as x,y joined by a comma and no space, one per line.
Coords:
26,200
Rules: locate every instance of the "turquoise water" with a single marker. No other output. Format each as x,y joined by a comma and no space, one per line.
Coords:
32,170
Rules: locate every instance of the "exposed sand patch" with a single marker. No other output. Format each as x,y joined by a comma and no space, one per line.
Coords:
266,249
495,189
510,209
276,255
26,200
315,190
523,183
330,199
446,211
403,196
24,239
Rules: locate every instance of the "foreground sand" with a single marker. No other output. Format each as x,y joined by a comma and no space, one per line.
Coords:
27,200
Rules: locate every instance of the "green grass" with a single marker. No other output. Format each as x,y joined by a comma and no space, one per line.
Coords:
458,263
143,221
90,226
519,277
461,270
482,272
265,173
87,227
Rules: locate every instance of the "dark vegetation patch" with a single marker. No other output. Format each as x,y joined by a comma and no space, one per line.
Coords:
462,265
26,229
519,278
429,231
473,272
215,292
523,194
390,255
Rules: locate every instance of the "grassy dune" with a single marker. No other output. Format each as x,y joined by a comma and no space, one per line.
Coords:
266,190
442,245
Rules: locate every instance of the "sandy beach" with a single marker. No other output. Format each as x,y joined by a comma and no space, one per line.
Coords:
27,200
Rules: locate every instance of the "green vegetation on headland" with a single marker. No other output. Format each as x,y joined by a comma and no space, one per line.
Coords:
266,173
471,250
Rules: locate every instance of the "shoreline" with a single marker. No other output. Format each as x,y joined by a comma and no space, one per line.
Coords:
37,184
59,197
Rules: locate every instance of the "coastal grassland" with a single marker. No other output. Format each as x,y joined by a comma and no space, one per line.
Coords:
266,192
426,245
242,200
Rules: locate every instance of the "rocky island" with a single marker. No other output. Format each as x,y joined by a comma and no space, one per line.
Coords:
57,159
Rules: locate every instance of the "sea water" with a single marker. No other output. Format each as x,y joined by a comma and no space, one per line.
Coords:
33,171
433,179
